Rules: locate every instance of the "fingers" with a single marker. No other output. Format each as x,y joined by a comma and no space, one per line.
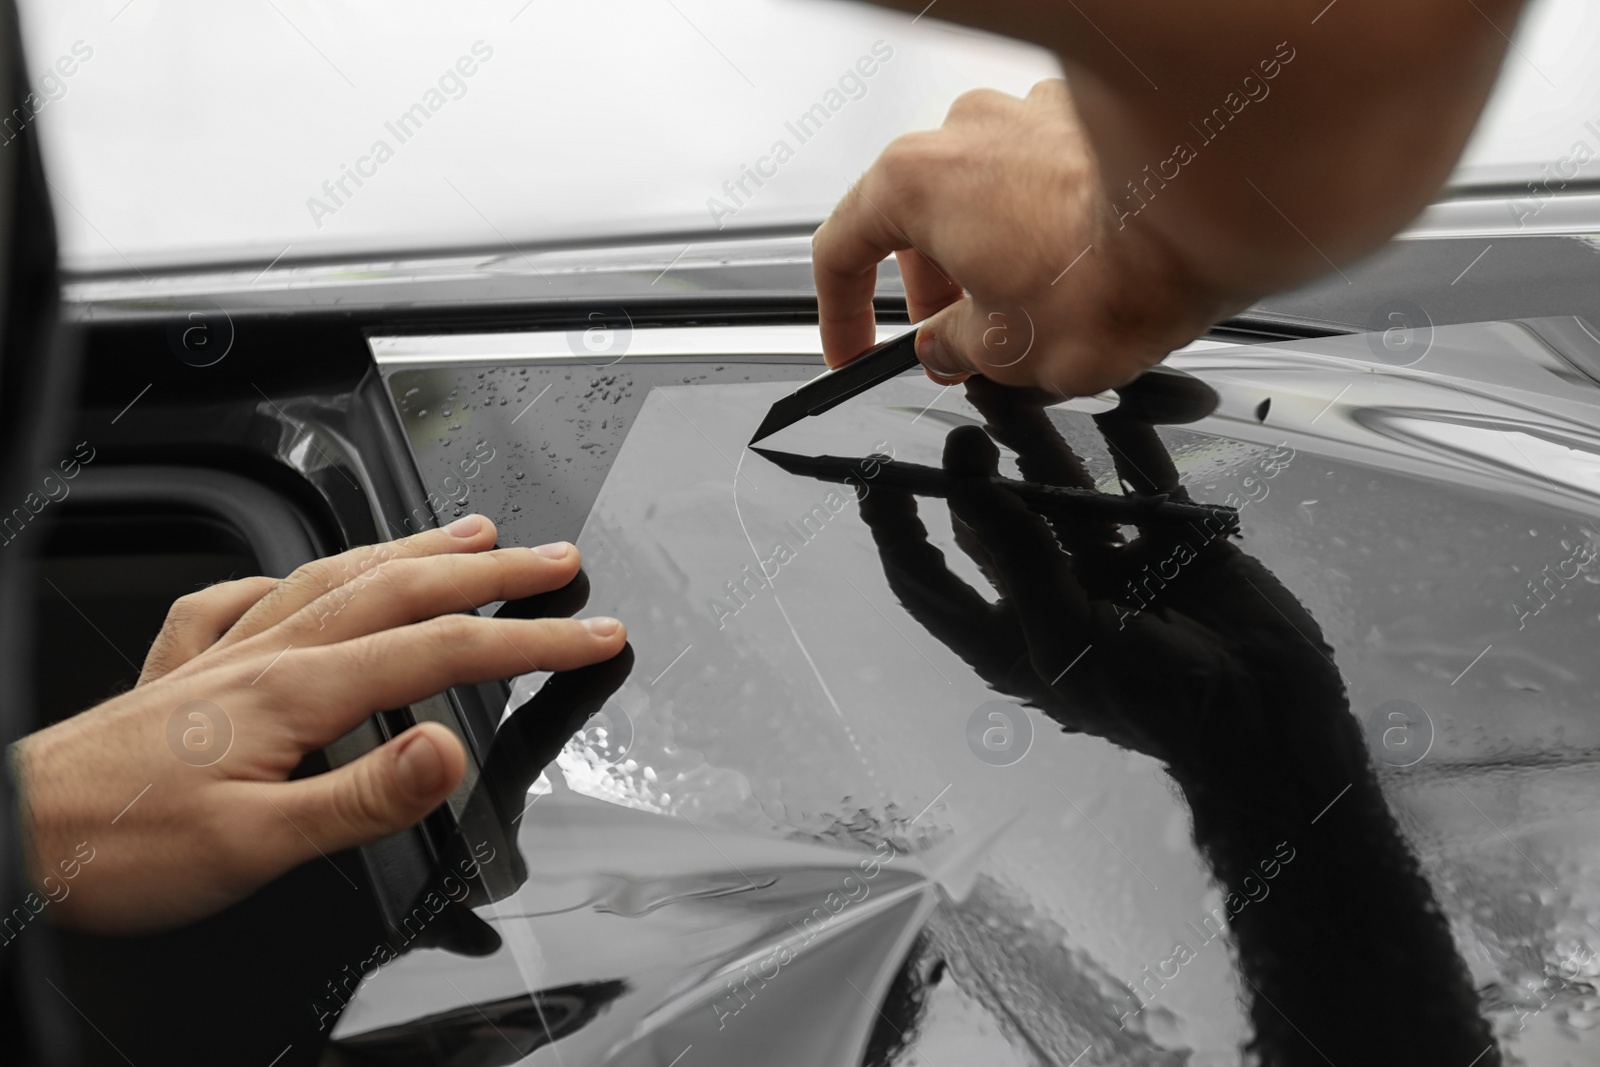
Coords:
1051,92
947,607
1018,420
1141,459
997,339
472,533
563,602
1052,606
949,341
1166,396
872,220
328,689
385,791
974,455
1160,396
929,288
402,591
845,253
534,734
196,621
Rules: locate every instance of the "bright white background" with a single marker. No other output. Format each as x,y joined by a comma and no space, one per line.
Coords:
197,132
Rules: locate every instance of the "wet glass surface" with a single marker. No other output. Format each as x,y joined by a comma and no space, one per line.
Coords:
902,779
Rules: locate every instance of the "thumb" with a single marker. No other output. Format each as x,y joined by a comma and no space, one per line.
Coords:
383,792
970,337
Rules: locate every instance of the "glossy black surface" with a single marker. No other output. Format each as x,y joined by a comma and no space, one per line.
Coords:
1362,736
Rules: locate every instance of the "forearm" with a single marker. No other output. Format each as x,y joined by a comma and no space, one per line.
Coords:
1263,184
1327,938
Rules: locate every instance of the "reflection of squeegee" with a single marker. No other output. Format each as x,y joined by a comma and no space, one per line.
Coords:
1045,499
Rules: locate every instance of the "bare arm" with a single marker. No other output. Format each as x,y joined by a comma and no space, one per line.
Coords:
1206,155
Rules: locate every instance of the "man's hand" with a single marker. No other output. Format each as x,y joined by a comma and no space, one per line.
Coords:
1005,201
281,668
1207,155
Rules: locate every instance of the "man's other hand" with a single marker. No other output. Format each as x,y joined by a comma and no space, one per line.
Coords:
177,791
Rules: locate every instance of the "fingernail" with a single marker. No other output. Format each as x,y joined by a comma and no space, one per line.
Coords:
554,550
601,626
465,526
418,766
933,354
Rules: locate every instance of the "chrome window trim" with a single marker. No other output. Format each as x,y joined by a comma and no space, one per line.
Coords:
661,342
664,266
1552,215
653,267
656,342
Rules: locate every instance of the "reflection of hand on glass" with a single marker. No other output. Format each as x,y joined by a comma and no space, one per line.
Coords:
1180,646
1077,633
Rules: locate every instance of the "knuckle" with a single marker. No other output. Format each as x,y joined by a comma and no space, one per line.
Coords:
328,588
185,613
367,656
905,157
396,571
1049,89
364,801
258,586
256,583
909,162
456,632
976,103
314,578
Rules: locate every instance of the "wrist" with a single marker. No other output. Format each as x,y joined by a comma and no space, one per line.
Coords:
1168,298
1155,295
52,857
16,767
